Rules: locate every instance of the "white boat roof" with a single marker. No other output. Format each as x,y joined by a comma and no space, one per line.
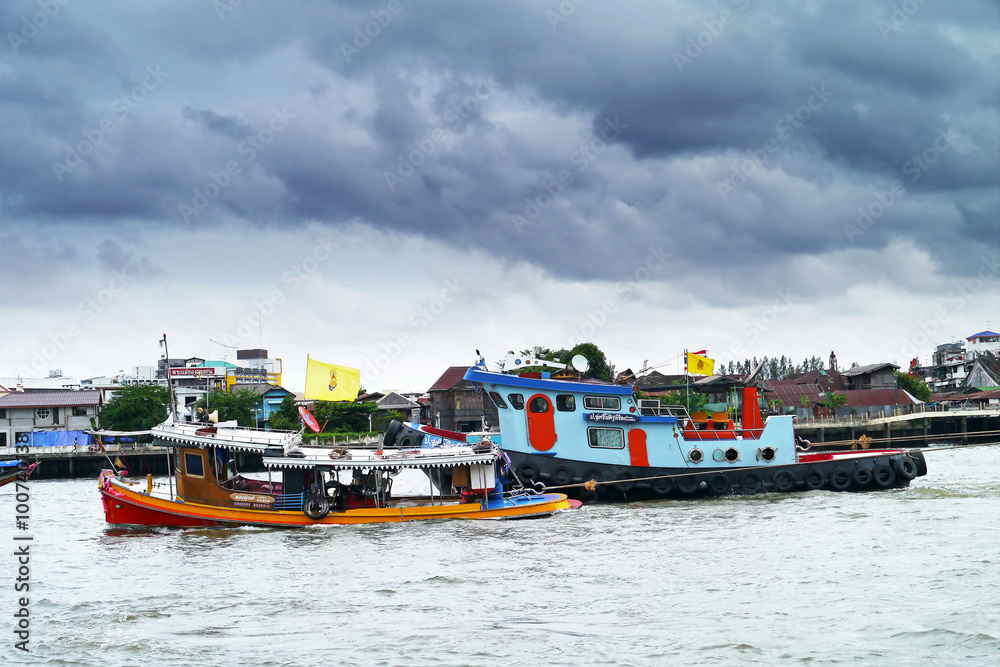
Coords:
438,457
230,437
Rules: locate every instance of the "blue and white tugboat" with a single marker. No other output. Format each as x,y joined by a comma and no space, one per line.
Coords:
595,441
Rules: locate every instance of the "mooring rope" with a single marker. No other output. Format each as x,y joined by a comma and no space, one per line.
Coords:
591,484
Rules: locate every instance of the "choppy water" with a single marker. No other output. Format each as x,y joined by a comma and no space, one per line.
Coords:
904,577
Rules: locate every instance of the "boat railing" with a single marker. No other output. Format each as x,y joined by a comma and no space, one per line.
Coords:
289,501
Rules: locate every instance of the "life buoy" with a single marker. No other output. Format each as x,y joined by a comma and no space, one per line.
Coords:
663,486
905,467
751,484
561,475
316,505
718,484
840,479
783,481
862,477
687,485
814,479
883,475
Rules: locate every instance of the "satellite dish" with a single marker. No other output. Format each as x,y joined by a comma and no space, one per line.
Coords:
580,363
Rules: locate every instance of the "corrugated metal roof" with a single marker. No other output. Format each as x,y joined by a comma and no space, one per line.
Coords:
50,399
450,378
982,333
861,370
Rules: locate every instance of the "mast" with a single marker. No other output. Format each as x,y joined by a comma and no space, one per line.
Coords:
173,414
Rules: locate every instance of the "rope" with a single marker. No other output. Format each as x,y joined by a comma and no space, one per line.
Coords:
591,484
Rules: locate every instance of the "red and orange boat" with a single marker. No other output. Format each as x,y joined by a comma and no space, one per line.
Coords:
311,486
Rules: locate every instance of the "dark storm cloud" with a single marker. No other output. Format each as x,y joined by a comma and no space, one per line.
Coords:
478,108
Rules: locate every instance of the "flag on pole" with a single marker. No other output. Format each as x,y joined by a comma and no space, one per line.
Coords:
329,382
700,365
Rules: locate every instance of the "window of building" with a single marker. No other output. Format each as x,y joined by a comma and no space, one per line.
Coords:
458,403
3,413
539,404
602,403
79,412
516,401
42,413
194,465
23,438
606,438
498,400
565,402
3,439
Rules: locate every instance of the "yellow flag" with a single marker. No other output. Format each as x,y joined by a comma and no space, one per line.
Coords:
329,382
700,365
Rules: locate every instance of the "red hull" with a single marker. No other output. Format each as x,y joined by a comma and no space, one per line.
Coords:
122,513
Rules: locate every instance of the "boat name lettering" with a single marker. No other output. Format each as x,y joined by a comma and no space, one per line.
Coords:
610,417
250,498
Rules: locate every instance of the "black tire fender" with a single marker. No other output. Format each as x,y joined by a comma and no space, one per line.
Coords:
883,475
783,481
905,468
814,479
663,486
840,479
862,477
718,484
687,484
751,484
561,475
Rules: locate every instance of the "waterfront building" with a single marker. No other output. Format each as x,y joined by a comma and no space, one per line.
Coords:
47,418
455,405
983,343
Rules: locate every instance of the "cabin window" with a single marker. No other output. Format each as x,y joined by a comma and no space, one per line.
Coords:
606,438
516,401
498,400
79,412
602,403
42,413
539,404
194,465
565,402
177,463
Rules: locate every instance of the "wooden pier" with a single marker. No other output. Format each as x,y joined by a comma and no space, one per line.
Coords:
919,429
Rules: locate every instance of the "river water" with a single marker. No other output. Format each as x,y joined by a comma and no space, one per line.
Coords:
902,577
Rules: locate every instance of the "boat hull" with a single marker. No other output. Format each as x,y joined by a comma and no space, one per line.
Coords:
811,472
128,506
18,474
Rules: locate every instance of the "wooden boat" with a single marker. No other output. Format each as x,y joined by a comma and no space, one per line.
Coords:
15,469
562,434
310,486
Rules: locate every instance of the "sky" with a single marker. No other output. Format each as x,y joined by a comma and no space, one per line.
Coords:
394,184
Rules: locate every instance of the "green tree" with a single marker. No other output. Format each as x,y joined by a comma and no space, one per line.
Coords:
599,366
344,416
137,407
917,387
835,400
286,417
238,404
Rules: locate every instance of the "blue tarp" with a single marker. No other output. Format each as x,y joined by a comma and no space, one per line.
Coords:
58,439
